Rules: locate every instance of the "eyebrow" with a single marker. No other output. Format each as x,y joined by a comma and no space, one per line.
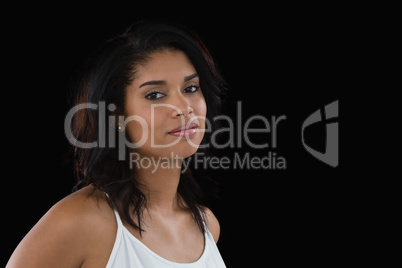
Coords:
162,82
191,76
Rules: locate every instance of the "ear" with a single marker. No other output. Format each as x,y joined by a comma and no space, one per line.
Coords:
116,120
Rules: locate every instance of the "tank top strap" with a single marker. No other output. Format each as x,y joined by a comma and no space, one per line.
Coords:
119,222
204,220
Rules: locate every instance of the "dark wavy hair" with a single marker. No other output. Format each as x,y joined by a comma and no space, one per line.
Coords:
105,77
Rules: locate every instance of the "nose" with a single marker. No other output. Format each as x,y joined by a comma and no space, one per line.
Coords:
181,107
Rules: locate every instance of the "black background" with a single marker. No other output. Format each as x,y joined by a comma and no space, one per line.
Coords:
276,63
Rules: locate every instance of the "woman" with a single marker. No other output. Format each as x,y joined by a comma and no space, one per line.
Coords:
141,112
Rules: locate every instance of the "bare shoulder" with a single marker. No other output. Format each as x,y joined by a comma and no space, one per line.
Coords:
85,208
64,236
212,223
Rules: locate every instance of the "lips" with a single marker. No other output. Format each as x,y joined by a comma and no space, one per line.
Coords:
184,130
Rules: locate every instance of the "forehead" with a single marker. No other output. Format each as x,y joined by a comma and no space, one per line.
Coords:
164,65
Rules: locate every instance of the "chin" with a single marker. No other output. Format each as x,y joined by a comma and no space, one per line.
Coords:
185,152
172,147
182,150
185,148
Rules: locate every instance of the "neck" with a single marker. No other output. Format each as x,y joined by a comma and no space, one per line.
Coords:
160,182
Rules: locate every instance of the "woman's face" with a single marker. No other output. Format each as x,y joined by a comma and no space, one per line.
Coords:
165,95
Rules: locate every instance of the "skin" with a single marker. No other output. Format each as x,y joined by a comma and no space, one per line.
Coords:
80,230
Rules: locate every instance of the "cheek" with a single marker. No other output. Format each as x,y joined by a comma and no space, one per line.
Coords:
144,120
139,121
200,108
199,105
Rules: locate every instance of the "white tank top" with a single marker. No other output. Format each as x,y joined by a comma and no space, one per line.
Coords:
129,252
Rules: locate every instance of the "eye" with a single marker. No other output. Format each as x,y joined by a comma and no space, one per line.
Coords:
154,95
191,89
